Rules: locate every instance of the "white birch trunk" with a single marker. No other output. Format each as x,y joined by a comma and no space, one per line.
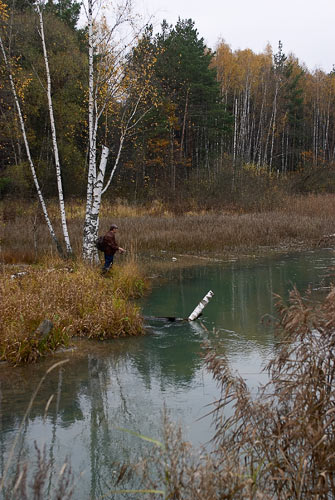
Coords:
325,144
117,159
88,237
96,203
201,306
184,124
258,145
273,126
234,144
54,138
30,161
95,111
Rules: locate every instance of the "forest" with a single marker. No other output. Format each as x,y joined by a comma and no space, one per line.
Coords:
182,123
202,157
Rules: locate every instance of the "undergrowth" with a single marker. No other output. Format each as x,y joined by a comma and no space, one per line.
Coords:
78,301
296,221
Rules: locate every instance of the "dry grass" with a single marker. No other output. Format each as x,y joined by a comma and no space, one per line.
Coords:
77,300
298,221
38,488
278,445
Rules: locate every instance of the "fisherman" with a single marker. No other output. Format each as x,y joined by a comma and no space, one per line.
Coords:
110,247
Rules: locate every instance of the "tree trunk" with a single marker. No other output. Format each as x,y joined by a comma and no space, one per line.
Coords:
184,125
54,139
88,237
30,161
93,228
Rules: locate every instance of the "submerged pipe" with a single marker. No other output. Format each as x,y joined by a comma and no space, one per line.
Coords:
202,304
194,315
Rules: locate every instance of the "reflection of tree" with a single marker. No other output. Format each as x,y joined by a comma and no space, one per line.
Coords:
171,355
109,447
98,423
22,381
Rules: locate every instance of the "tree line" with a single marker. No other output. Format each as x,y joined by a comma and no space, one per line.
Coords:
177,118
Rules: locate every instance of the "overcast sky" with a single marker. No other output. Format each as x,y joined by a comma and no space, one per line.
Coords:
305,27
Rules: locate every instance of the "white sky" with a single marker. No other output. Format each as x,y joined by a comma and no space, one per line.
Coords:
305,27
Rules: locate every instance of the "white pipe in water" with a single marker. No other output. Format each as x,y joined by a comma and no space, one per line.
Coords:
202,304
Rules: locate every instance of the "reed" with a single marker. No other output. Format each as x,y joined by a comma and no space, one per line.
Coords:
18,481
278,445
297,222
77,300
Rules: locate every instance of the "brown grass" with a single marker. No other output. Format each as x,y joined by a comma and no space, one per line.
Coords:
77,300
38,487
297,222
278,445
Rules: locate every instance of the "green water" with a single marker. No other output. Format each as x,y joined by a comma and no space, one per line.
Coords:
125,383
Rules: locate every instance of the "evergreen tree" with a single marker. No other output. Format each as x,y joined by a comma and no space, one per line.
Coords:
190,119
67,10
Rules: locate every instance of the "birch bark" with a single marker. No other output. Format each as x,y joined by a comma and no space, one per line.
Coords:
88,236
54,138
107,83
273,126
93,226
30,161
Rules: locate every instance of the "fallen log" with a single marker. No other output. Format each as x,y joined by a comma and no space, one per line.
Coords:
170,319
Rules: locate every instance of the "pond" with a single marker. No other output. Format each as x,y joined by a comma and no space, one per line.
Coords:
124,384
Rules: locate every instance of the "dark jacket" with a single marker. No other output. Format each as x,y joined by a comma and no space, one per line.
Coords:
110,245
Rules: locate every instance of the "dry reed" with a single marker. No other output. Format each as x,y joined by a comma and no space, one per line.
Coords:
77,300
278,445
297,222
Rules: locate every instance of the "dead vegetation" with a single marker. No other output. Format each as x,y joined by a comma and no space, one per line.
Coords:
296,222
77,300
279,445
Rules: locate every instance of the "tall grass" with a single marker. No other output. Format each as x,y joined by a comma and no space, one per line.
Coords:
278,445
296,222
78,300
15,485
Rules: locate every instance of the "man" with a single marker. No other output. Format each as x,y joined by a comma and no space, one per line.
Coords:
110,247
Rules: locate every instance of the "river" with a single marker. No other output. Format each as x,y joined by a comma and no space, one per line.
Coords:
124,384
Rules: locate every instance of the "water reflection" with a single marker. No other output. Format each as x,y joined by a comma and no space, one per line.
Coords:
125,383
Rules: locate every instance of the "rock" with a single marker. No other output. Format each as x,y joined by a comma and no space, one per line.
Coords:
44,328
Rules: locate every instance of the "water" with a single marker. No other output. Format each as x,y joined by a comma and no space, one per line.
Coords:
125,383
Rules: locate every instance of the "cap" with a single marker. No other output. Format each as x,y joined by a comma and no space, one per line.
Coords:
113,226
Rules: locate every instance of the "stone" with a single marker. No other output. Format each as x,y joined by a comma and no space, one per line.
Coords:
44,328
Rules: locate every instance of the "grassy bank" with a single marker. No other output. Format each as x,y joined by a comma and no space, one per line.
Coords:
297,222
77,300
83,303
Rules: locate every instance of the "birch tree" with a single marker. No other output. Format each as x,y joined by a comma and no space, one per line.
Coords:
54,136
7,61
111,84
47,89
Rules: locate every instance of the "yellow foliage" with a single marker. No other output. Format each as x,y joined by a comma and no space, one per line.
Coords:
257,171
3,11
